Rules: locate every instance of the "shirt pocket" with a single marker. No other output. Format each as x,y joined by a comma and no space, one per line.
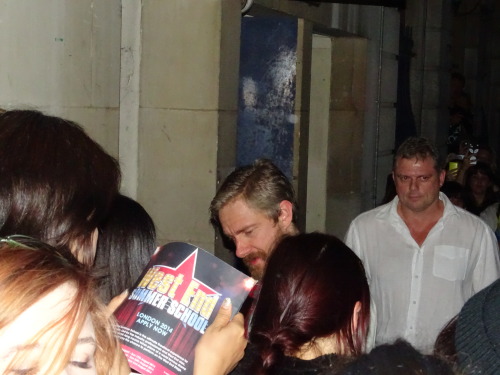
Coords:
450,262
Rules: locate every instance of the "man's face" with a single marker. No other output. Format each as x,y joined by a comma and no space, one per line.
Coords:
417,183
253,232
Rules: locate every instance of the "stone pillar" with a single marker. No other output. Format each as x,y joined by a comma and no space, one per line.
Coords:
63,58
187,111
431,24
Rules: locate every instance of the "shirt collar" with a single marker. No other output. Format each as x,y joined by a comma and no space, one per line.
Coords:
449,208
390,210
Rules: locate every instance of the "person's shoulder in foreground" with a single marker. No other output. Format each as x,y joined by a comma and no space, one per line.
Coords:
477,336
399,358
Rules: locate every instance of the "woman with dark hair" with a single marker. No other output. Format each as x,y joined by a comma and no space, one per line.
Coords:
479,194
56,183
313,309
127,239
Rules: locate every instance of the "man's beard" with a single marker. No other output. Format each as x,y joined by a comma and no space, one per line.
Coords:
256,271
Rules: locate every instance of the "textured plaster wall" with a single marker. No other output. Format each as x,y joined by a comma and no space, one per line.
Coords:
431,24
188,94
63,57
345,138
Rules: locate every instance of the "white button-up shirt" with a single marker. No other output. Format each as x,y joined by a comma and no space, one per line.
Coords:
418,289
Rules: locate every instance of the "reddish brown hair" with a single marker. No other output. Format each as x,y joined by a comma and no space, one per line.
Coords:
310,288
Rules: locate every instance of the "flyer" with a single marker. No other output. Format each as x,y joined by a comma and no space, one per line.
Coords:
172,303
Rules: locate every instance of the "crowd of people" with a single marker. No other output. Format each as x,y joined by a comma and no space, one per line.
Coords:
472,180
412,289
424,258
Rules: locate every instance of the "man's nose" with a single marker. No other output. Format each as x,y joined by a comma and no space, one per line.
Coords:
413,185
242,248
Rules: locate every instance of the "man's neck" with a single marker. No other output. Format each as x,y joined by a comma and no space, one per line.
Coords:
420,223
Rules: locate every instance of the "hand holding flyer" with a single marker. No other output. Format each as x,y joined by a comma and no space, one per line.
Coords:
171,305
223,344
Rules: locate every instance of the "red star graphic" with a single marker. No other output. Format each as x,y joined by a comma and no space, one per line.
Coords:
187,268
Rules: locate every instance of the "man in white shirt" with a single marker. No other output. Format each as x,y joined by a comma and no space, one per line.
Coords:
424,257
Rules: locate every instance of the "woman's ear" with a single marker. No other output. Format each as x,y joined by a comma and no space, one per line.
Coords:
85,251
285,218
355,315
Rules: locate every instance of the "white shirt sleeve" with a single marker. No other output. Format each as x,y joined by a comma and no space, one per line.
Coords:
487,267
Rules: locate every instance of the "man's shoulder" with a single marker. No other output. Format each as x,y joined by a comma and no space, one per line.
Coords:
461,219
380,212
461,214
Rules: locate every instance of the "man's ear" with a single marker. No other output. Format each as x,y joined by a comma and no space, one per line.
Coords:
285,217
442,177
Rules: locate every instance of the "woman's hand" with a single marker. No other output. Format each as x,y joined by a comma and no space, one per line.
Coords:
223,344
120,364
116,302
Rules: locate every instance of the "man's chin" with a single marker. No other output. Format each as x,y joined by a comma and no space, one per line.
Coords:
256,273
256,268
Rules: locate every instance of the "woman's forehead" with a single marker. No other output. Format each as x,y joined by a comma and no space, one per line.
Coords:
42,314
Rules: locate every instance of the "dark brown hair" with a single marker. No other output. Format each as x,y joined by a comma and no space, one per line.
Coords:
444,346
127,239
56,183
419,148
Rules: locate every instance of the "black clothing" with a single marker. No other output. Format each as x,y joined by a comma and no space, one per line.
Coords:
327,364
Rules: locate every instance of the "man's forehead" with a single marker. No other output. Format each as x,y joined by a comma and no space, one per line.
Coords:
239,213
415,160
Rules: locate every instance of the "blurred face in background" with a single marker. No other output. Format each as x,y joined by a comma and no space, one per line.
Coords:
479,183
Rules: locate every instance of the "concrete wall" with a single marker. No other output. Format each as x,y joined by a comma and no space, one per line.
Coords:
431,25
188,95
317,171
161,93
166,105
346,129
380,27
64,58
476,54
351,155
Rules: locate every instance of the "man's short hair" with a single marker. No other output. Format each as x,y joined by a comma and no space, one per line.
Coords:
261,185
420,148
